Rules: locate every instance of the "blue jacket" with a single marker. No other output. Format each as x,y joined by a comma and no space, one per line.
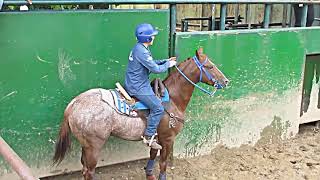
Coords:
140,65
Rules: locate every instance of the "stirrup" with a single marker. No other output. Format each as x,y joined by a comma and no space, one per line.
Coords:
151,142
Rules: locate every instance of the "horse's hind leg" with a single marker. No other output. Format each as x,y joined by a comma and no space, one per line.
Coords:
150,164
83,161
89,158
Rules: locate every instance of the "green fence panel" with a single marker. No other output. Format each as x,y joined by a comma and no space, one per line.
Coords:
47,58
265,69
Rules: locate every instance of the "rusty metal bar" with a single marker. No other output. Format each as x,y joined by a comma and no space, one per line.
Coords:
15,161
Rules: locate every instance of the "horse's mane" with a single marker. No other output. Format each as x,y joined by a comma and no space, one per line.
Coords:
173,72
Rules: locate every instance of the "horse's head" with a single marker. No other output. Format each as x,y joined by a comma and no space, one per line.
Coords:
201,69
208,71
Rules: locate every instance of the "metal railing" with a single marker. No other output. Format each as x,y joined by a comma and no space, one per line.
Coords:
15,161
173,10
231,20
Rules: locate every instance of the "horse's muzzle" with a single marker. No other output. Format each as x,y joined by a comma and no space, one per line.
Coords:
224,83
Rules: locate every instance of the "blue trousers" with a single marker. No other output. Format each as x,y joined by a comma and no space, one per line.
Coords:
156,112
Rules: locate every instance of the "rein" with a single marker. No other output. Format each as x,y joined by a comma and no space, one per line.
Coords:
202,69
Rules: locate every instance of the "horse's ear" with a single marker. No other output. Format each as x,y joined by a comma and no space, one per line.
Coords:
199,52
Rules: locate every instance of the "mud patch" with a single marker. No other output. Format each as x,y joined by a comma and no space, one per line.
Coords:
297,158
64,68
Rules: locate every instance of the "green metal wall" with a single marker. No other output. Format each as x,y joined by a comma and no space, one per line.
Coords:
262,60
265,68
47,58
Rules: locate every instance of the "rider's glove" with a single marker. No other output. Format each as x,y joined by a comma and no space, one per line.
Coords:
172,63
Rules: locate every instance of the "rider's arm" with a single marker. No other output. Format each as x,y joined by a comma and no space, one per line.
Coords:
162,61
147,61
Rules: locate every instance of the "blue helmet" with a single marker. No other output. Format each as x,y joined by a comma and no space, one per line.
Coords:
144,33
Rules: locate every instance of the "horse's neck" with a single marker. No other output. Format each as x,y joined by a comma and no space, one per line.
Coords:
180,89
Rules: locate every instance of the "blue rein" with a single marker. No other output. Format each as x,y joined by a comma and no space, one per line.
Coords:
201,67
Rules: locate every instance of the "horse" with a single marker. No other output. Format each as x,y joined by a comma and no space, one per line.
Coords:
92,121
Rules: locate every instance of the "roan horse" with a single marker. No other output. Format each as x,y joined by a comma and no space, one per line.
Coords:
92,121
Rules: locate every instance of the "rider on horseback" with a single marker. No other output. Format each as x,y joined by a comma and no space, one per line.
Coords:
137,82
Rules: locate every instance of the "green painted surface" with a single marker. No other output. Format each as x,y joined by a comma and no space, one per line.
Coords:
254,61
48,58
263,64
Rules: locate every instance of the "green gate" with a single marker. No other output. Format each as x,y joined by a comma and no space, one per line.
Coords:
263,102
48,57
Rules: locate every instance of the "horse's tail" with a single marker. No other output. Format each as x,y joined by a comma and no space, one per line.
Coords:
64,141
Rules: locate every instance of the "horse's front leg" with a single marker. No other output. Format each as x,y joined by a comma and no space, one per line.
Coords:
164,154
150,165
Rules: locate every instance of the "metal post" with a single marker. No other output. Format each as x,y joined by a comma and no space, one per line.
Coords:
186,24
304,15
266,19
248,15
173,20
15,161
290,15
223,13
182,25
1,2
202,15
236,13
213,17
285,15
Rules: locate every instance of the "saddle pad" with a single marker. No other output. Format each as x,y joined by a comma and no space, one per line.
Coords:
120,103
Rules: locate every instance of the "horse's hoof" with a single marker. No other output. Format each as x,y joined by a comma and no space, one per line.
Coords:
162,176
152,177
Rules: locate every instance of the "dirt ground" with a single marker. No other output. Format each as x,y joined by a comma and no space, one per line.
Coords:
297,158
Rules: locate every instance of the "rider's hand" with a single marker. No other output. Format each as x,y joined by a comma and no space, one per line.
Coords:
172,63
173,59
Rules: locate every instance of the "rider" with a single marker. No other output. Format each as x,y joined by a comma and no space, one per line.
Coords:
137,82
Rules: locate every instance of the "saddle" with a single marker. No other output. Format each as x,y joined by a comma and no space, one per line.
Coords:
129,106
